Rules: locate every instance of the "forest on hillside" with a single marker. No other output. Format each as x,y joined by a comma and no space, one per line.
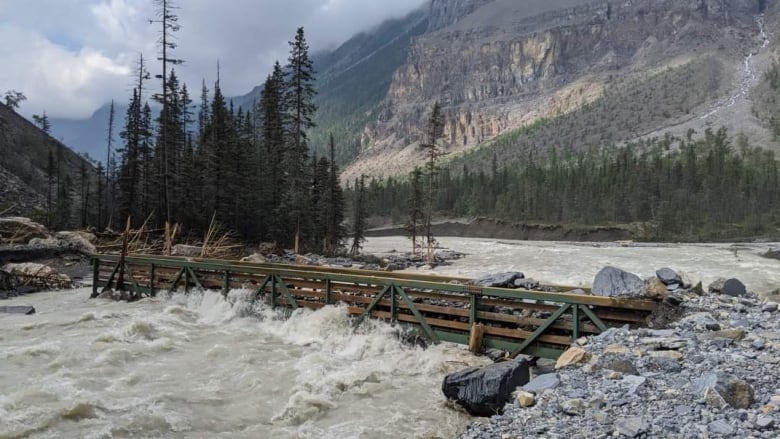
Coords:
706,187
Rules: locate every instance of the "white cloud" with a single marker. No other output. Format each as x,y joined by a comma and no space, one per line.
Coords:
79,54
64,83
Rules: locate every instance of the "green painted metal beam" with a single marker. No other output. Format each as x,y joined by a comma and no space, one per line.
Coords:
194,277
498,343
372,305
111,278
286,292
261,288
176,280
95,277
420,318
540,330
594,318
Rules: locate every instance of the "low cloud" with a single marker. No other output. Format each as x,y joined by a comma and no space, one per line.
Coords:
81,53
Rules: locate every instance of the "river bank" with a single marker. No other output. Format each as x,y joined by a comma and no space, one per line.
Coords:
491,228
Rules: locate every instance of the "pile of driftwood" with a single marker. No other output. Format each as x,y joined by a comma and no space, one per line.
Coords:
216,243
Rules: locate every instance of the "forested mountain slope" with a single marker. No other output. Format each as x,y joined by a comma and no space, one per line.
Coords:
32,162
587,72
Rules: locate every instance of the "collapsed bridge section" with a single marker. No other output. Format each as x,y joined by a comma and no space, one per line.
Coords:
442,308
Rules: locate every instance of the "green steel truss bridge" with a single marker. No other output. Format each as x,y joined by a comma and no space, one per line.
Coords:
442,308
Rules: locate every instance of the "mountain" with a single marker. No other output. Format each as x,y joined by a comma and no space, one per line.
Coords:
571,74
24,161
90,135
515,76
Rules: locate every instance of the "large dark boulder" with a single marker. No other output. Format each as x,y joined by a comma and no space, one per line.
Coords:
484,391
614,282
734,287
506,279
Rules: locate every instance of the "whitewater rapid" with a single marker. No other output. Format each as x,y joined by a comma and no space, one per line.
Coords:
200,366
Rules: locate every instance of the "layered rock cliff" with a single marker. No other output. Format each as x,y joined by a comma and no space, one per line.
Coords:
496,65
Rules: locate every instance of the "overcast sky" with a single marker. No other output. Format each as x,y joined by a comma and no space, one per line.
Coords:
71,56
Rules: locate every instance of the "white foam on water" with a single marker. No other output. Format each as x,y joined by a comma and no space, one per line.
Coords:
199,365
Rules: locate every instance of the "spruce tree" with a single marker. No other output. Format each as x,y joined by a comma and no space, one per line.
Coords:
358,217
299,95
334,206
435,132
271,113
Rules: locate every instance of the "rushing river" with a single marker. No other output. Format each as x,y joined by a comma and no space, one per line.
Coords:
199,366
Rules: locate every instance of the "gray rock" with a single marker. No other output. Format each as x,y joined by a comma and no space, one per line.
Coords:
528,284
700,321
734,391
717,285
506,279
614,282
668,276
634,382
720,427
733,287
573,407
764,422
663,364
769,307
621,365
631,427
542,383
484,391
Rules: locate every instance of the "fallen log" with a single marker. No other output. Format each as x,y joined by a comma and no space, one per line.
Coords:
18,309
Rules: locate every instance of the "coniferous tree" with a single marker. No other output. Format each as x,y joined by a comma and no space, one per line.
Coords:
435,132
299,95
109,141
129,162
416,215
271,112
42,121
169,24
334,206
358,217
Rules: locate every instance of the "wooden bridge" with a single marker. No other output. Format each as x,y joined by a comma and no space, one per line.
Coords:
443,308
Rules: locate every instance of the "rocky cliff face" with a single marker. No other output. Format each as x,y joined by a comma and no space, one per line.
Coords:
496,65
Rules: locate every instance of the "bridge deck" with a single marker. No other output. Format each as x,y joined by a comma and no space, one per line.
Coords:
444,308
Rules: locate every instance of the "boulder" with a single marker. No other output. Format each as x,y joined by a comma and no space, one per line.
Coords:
31,269
655,289
542,383
717,285
527,284
701,321
81,242
187,250
620,365
733,287
573,355
668,276
19,230
525,399
504,280
484,391
614,282
256,257
733,391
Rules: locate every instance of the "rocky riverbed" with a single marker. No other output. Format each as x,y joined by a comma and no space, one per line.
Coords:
713,373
